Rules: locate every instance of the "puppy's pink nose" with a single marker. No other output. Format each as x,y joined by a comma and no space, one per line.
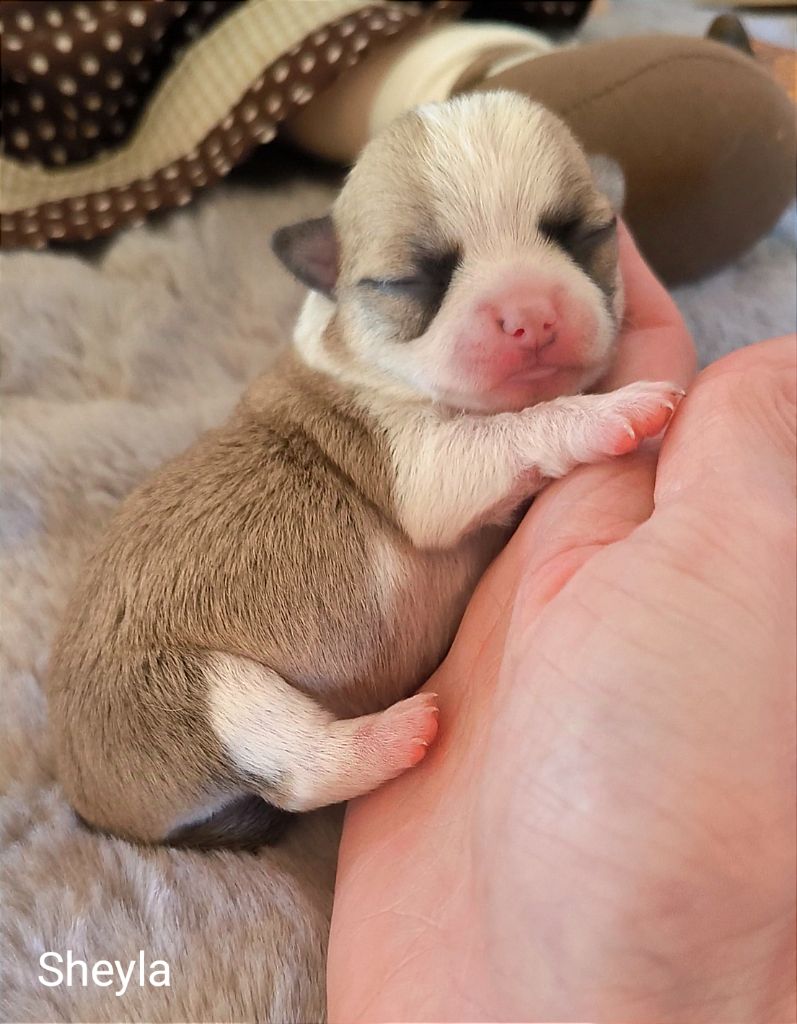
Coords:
532,323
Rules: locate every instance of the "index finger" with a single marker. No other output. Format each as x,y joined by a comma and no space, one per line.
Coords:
654,343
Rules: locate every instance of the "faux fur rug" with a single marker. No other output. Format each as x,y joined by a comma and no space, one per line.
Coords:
112,361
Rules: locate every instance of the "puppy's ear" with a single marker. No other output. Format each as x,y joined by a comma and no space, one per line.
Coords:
309,250
609,179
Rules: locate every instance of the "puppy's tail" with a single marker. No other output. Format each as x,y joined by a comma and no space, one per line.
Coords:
246,824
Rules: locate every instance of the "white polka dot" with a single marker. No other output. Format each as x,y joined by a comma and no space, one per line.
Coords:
111,6
258,84
377,22
306,62
170,173
263,131
394,14
81,12
53,212
92,100
198,178
58,154
147,186
25,21
213,147
249,112
114,79
106,222
54,17
20,138
90,25
67,85
320,38
29,227
101,202
36,101
89,64
89,130
359,43
227,123
135,55
112,41
46,130
56,230
183,198
346,28
127,203
301,93
13,43
78,203
39,63
71,111
63,42
273,103
136,14
333,52
151,202
235,137
280,71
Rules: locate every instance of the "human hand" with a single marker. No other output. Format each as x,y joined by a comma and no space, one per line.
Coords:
604,829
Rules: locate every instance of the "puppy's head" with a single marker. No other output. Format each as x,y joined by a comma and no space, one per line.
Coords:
471,257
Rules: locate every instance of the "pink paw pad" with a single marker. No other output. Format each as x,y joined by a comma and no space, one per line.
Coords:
642,416
401,735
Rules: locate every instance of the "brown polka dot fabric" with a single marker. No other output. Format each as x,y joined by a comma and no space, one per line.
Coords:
77,75
78,78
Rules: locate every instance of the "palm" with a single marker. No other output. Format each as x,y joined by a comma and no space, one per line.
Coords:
558,807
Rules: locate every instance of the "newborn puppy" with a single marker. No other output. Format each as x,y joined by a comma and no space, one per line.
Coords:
245,638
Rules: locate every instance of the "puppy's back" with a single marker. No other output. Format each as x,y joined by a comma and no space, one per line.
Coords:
253,542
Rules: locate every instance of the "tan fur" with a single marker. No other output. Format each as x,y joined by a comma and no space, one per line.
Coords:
311,559
260,541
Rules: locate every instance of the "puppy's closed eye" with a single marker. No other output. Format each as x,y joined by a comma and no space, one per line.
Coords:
576,236
425,287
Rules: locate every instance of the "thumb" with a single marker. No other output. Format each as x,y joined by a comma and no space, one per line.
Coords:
732,443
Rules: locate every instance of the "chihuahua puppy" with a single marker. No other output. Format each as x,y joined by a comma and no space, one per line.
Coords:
245,640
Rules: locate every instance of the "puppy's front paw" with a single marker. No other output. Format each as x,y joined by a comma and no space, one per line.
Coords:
636,412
